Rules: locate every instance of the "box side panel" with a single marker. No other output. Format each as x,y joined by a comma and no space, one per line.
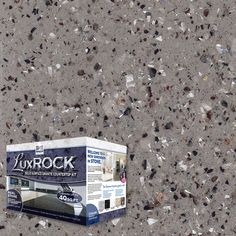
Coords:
50,183
106,184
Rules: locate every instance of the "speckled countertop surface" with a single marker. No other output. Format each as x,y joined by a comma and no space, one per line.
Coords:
158,76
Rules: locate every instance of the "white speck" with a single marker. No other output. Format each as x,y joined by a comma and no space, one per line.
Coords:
160,158
43,223
151,221
183,26
194,232
227,196
164,142
68,109
163,73
149,166
201,142
160,20
220,49
190,95
188,192
73,9
130,81
182,166
86,28
52,36
58,66
167,208
30,104
50,71
206,107
131,4
159,38
115,221
148,18
211,230
141,180
208,200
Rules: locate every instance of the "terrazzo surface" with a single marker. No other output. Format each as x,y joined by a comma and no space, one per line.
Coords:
158,76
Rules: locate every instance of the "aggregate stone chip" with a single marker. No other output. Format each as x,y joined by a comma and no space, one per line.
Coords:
157,76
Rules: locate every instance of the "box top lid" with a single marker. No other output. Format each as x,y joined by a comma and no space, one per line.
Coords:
67,143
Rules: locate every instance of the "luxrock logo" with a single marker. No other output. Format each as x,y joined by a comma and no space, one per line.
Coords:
45,163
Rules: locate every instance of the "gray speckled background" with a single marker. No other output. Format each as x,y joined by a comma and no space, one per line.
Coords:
158,76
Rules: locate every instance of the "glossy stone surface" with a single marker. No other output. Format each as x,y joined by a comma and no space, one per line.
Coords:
158,76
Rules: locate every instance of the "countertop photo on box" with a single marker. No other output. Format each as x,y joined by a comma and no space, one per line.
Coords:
156,76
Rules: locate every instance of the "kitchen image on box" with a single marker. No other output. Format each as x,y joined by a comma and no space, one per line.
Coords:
80,180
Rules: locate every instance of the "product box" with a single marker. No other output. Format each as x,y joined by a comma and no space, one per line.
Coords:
80,180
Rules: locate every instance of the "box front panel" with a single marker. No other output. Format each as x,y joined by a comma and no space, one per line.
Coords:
49,182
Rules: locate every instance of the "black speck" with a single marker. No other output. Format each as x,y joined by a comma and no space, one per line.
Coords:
131,156
27,61
2,186
17,99
176,197
97,67
149,206
127,111
187,89
222,169
48,2
30,37
36,137
152,174
183,194
144,135
156,139
206,12
144,164
80,72
194,152
224,103
152,72
32,30
169,125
